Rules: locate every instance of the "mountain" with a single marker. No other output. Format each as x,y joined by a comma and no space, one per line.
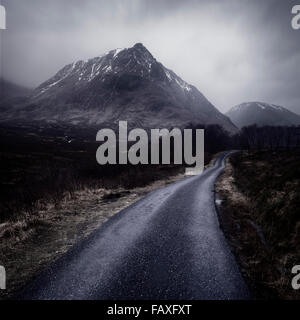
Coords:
9,90
262,114
123,84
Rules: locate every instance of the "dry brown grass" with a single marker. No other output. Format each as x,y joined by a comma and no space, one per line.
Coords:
29,244
254,224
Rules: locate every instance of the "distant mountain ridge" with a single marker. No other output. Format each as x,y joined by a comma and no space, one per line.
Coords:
262,114
123,84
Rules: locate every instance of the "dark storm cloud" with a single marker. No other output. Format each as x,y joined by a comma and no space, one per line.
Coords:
232,50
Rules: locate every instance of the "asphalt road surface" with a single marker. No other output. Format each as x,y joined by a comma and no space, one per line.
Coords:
168,245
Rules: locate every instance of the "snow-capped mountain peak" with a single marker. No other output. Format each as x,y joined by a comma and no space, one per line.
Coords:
262,113
123,84
136,60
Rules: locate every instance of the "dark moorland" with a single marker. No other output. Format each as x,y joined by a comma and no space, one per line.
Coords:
260,216
45,163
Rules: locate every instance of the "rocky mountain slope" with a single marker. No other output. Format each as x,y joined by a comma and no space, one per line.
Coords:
123,84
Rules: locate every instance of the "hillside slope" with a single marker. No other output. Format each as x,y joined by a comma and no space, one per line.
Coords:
123,84
262,114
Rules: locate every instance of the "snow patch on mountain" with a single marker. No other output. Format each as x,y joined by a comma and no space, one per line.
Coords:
174,78
127,84
261,106
117,51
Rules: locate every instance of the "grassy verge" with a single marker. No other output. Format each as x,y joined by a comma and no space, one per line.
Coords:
260,218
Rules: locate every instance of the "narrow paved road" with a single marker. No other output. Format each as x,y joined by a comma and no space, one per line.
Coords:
166,246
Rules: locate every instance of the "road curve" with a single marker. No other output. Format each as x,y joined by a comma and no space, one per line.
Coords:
168,245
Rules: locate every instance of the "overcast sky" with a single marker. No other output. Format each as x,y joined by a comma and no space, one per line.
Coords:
233,51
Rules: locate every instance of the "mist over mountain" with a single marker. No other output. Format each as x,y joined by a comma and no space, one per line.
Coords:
9,90
123,84
262,114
